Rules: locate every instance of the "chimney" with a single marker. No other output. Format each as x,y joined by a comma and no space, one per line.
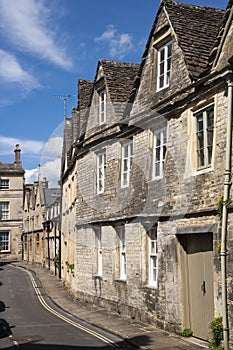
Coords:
17,156
45,183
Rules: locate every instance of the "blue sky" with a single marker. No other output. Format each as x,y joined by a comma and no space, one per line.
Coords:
45,47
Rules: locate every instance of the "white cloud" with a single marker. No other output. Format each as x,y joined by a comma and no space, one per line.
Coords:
50,170
53,148
12,72
109,34
120,44
50,163
7,144
27,24
31,176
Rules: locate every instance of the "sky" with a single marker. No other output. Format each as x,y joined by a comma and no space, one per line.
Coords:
45,47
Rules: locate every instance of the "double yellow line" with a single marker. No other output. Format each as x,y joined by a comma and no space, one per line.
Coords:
67,320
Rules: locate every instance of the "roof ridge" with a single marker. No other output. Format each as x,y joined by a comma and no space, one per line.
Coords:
117,62
172,2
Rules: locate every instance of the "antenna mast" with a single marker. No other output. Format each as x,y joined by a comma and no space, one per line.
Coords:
65,98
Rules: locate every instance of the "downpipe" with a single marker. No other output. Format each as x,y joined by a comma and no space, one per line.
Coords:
226,197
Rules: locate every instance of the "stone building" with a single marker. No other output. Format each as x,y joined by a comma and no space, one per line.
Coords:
11,202
41,224
69,184
153,164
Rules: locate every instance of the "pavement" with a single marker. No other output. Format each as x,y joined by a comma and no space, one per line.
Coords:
138,335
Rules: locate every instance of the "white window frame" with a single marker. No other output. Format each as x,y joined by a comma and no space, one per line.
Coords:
101,171
4,184
102,106
98,233
122,253
164,66
159,152
126,163
5,241
153,257
202,147
4,210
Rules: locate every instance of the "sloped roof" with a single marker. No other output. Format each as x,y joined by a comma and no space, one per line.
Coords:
84,92
50,194
225,25
196,28
11,168
119,78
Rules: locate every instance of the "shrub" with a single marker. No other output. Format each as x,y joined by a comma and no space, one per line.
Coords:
187,332
216,327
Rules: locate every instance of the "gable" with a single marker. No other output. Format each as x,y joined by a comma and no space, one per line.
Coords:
189,32
196,28
147,93
111,87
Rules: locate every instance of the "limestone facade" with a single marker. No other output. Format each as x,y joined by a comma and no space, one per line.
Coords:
150,176
11,207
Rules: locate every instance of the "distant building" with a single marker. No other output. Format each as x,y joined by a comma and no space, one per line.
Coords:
11,203
41,220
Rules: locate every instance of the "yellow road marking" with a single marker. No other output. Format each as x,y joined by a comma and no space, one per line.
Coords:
64,318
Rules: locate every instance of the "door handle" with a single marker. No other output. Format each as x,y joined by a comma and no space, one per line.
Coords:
203,288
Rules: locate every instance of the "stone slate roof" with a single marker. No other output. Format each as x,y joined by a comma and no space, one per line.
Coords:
84,92
119,78
196,28
50,194
11,168
214,55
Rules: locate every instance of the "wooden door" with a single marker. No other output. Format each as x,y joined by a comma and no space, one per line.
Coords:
198,282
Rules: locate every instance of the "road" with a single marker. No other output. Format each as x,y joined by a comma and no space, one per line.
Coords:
36,323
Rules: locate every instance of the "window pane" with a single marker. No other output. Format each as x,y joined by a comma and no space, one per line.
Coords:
127,158
153,256
154,268
4,210
200,140
125,181
101,170
4,241
162,54
4,184
164,65
161,68
125,165
204,135
200,122
159,152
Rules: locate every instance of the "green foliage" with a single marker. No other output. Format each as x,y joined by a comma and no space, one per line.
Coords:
221,203
69,266
218,247
187,332
216,327
56,259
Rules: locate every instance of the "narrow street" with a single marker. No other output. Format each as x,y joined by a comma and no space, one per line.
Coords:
34,323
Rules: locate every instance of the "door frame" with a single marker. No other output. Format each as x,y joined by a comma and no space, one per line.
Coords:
183,258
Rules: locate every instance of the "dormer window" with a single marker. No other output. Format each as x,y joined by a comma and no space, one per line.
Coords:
102,106
164,65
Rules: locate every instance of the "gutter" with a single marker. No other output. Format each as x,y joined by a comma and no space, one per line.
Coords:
226,197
